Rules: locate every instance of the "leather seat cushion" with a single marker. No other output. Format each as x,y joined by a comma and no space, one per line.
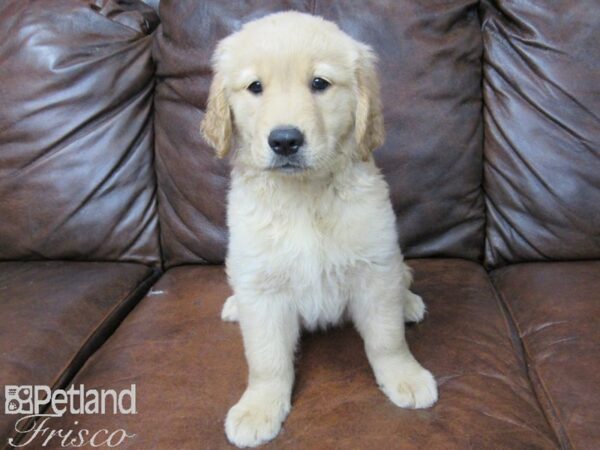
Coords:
189,368
53,315
556,308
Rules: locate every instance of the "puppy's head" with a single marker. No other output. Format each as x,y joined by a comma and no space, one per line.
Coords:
292,93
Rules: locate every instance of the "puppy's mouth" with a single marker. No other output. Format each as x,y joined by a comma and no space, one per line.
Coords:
287,165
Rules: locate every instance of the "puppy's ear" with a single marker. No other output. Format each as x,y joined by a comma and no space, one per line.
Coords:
216,127
369,129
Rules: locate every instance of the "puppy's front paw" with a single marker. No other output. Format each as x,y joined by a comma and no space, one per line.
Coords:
229,313
252,423
414,308
413,389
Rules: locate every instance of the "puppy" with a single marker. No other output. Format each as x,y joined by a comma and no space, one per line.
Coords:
312,231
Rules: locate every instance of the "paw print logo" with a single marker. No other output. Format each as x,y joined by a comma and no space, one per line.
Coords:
12,407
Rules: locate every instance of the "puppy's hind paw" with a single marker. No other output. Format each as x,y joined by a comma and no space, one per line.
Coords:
414,308
229,313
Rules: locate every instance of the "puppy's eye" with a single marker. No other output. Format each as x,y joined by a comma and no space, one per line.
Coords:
255,87
319,84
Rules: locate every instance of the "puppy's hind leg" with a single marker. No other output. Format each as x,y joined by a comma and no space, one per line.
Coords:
377,311
270,331
229,313
414,308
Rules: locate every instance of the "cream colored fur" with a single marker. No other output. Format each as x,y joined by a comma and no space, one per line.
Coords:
312,247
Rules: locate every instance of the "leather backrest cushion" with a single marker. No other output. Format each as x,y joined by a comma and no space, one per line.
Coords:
153,3
542,130
76,138
430,64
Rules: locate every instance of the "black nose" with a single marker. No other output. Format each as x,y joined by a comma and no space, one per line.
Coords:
286,140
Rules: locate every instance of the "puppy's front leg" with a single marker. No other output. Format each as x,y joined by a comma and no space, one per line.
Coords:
377,311
270,332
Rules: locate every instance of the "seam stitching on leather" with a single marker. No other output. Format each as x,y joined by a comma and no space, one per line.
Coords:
482,193
130,296
159,240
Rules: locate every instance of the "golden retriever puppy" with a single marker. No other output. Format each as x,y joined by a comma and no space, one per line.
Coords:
312,231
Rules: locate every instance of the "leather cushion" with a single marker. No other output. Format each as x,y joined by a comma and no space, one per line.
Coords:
542,130
556,308
53,315
431,74
189,368
76,140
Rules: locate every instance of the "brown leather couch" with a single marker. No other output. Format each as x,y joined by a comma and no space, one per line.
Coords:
112,223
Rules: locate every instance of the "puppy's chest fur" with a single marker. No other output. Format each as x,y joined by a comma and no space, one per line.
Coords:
308,242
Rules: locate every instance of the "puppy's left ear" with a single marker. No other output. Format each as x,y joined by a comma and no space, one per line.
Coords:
216,127
369,129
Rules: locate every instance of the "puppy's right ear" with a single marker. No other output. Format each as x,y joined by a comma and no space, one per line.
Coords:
216,127
369,128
